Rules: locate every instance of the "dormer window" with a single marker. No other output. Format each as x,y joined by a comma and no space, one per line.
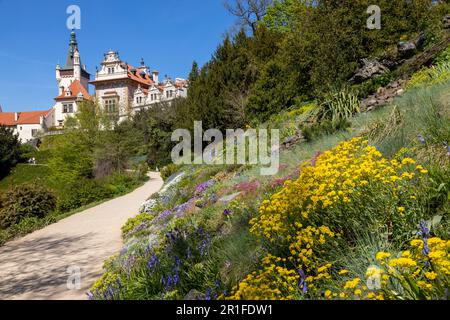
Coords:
139,100
111,70
68,93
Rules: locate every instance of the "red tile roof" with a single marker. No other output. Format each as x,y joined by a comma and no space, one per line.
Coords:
7,118
146,79
32,117
75,88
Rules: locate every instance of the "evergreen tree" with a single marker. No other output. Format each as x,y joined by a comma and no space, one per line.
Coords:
9,150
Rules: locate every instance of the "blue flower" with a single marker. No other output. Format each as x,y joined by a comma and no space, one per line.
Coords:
152,263
302,283
421,139
425,233
208,293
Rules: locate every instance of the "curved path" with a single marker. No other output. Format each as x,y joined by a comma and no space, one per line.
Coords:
46,263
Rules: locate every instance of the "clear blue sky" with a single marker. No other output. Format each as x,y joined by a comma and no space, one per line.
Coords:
168,34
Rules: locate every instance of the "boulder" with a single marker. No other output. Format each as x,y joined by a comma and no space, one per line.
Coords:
407,49
289,142
369,69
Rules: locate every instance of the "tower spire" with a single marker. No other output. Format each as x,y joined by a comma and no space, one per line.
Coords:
73,46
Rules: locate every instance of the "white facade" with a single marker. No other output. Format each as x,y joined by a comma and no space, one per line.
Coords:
122,88
28,125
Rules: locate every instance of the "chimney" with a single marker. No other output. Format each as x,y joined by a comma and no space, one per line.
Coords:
61,90
156,77
16,116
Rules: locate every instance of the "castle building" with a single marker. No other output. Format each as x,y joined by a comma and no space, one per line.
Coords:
124,89
119,88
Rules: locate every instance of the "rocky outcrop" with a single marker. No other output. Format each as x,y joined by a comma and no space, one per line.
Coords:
369,69
289,142
407,49
383,96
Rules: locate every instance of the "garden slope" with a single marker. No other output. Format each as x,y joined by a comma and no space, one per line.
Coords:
35,267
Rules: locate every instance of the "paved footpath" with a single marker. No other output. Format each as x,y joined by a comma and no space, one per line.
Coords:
40,265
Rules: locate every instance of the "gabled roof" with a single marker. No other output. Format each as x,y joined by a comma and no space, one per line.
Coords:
31,117
75,88
140,76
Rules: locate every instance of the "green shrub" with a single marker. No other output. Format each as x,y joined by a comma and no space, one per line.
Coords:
82,193
25,201
132,223
341,105
169,170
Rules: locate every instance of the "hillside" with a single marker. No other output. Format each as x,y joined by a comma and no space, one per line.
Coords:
364,201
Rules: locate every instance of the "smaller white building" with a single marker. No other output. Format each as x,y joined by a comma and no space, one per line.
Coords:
27,124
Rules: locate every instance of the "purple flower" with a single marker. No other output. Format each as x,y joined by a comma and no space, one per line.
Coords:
227,212
421,139
163,216
425,233
152,263
201,188
182,208
302,283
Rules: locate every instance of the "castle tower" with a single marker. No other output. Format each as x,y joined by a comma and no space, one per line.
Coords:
73,84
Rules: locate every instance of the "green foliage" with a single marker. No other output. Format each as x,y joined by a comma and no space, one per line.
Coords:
10,150
74,195
169,170
133,223
280,15
338,106
25,201
325,127
23,173
433,75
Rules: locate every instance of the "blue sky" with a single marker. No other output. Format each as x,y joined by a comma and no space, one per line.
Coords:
168,34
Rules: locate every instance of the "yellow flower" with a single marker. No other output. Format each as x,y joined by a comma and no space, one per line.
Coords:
382,256
352,284
431,275
343,272
406,254
328,294
403,262
417,243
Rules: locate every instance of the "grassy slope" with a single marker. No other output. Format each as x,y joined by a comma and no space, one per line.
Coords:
23,173
389,128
